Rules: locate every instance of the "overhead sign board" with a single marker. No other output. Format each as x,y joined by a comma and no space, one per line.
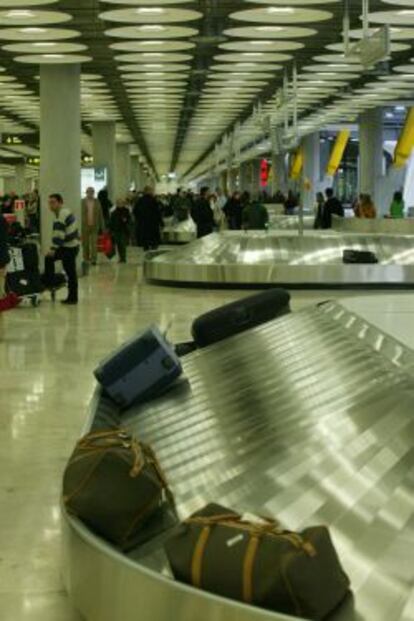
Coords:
373,49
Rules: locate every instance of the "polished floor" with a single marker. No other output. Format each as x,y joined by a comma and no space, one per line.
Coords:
46,360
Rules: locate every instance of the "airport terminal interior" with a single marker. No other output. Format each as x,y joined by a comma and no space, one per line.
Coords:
206,310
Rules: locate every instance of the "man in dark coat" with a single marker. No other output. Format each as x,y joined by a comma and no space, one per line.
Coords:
332,206
148,220
202,214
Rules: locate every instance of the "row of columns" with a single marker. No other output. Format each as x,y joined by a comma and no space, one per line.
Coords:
316,156
60,147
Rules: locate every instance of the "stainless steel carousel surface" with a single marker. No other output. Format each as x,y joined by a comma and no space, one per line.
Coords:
178,232
261,258
308,418
289,223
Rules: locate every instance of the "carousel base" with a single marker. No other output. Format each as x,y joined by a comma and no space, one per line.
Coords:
308,419
266,258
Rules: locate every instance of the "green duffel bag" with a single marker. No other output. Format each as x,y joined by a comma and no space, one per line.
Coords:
115,485
256,562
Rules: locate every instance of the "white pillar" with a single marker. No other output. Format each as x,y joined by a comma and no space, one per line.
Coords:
21,185
60,140
370,149
311,170
104,151
280,173
123,170
135,171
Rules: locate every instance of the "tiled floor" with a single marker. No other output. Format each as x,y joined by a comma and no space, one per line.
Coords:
46,360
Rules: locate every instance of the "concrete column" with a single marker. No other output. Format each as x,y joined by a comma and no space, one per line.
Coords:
104,151
280,173
123,170
21,185
311,170
370,148
136,172
60,141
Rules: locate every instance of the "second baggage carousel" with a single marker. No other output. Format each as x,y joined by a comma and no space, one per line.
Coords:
259,258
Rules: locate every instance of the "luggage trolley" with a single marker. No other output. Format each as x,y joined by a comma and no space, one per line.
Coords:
23,276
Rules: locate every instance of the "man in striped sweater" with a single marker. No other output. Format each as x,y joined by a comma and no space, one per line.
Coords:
65,247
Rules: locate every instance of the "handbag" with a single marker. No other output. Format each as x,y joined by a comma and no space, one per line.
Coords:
106,245
115,484
255,561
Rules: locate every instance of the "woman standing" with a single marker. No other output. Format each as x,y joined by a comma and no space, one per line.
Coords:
11,300
397,206
366,207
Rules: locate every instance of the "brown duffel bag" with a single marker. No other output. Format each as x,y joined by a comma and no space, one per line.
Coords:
115,485
259,563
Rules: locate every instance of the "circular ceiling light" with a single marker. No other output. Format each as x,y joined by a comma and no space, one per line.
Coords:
337,58
28,17
395,47
152,46
152,78
40,47
270,32
24,3
151,15
257,57
153,68
404,17
246,66
328,75
37,34
397,34
331,68
146,57
151,31
408,69
293,2
282,15
265,45
52,59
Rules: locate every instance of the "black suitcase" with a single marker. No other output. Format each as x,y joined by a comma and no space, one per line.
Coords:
30,257
24,283
239,316
358,257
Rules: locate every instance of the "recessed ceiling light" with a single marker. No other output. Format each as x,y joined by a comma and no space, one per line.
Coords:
269,28
152,27
32,30
154,9
53,55
20,13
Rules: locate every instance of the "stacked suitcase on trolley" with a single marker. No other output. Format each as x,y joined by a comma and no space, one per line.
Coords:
248,558
23,275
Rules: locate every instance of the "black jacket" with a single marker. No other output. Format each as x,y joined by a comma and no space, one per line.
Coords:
203,216
120,221
148,221
234,213
332,206
4,253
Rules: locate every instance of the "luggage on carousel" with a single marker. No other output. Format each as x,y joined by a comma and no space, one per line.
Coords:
358,256
141,368
239,316
255,561
115,485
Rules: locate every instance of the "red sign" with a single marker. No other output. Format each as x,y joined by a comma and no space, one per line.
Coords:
19,205
264,173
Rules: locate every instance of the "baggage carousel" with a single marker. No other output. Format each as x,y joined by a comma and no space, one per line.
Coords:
178,232
308,418
259,258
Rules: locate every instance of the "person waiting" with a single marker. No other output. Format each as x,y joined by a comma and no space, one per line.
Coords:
397,206
65,247
255,216
202,214
92,224
320,201
234,210
120,227
365,207
148,220
291,202
332,206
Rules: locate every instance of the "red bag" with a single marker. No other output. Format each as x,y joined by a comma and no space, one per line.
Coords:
105,245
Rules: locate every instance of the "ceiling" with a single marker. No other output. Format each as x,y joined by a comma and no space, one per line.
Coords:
178,75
